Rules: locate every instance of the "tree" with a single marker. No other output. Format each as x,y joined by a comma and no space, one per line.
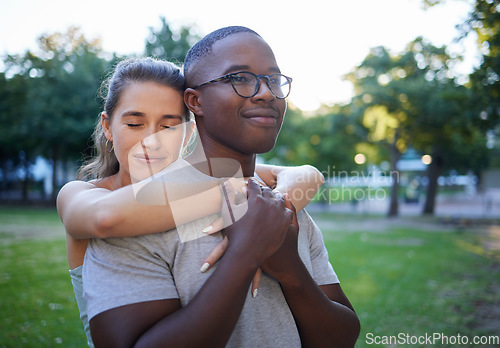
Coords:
382,106
412,99
168,44
62,80
484,21
327,140
16,146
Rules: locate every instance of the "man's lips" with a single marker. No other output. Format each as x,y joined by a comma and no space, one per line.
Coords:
264,117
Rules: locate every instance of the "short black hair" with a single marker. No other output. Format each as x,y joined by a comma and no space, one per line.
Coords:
204,47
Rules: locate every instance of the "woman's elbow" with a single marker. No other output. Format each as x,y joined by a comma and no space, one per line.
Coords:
104,225
314,174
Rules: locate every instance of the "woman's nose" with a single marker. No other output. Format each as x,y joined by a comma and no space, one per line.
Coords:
152,141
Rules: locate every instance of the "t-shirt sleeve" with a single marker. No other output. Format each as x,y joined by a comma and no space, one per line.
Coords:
322,270
122,271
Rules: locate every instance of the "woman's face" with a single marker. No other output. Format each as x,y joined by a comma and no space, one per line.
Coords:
147,128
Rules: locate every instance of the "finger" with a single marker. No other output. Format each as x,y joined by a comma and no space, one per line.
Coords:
230,191
267,192
254,188
241,197
215,255
289,205
278,196
216,226
256,282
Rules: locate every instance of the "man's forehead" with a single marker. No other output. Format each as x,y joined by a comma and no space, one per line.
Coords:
239,49
239,42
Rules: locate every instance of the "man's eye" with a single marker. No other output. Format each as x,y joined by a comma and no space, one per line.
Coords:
133,125
240,79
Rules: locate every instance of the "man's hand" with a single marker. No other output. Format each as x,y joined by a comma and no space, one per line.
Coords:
281,262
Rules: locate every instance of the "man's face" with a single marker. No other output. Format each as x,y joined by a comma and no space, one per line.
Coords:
242,125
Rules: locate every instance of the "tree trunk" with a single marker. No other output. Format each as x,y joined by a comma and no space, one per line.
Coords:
434,170
55,158
394,204
26,181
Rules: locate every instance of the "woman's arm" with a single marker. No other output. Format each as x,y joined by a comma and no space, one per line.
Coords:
300,183
88,211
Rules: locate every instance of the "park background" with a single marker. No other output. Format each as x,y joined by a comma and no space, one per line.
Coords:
410,209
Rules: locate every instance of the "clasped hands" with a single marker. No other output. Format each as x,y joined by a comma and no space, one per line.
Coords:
259,221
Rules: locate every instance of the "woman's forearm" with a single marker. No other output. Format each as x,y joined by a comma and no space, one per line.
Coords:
100,213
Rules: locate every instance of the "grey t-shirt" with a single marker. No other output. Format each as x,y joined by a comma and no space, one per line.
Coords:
76,280
121,271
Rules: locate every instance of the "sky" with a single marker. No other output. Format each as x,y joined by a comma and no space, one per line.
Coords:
316,42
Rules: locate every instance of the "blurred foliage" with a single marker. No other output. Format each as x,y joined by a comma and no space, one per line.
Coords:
412,99
52,98
170,45
327,140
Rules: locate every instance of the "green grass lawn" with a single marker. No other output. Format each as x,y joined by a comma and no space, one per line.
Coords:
400,279
37,304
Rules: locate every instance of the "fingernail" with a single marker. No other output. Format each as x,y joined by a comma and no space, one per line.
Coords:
244,189
204,267
207,229
254,293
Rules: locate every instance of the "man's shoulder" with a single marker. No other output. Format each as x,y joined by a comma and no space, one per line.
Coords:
304,219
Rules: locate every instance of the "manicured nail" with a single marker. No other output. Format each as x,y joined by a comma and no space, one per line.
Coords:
254,293
207,229
204,267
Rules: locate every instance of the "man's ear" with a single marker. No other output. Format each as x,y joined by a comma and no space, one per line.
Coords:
192,101
106,126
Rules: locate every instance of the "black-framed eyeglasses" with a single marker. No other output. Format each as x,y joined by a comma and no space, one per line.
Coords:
246,84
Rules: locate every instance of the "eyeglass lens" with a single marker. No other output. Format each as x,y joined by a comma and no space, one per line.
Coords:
246,84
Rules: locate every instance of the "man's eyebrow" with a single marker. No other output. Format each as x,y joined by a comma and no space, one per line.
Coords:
234,68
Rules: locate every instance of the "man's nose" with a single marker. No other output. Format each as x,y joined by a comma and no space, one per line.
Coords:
264,91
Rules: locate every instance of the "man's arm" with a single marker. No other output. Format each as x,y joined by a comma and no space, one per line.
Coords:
209,318
323,314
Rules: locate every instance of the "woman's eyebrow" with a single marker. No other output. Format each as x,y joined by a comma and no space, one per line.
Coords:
142,114
133,113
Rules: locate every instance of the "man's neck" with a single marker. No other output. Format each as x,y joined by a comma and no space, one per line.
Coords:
205,151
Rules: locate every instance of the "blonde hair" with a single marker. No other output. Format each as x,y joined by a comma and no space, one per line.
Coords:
103,162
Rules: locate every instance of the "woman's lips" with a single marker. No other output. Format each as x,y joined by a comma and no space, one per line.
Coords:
150,159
